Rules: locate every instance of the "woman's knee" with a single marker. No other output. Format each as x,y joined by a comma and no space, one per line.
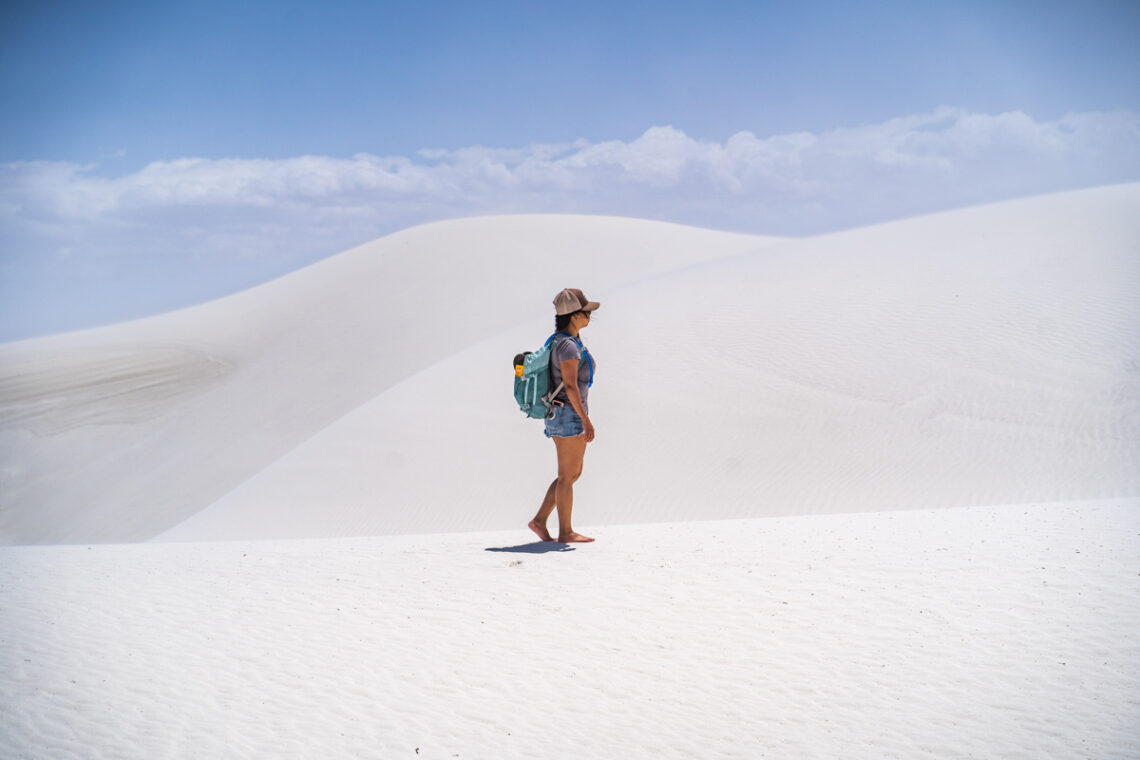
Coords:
570,478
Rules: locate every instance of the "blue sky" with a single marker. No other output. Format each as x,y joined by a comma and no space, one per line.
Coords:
173,152
83,81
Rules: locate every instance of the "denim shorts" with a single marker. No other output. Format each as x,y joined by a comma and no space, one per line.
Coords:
564,424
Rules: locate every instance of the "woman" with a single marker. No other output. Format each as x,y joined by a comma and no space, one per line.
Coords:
570,425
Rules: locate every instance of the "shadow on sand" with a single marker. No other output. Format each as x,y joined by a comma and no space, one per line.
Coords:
537,547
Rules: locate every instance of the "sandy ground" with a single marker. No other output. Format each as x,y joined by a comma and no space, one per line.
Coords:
1009,632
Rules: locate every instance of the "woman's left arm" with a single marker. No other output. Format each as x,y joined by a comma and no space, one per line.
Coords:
570,369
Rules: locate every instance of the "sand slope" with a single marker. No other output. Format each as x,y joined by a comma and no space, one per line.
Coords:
983,356
119,433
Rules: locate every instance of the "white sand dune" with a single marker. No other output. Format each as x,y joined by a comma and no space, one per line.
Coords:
120,433
986,356
975,357
963,387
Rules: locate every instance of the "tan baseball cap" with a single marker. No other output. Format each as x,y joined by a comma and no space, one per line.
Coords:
571,300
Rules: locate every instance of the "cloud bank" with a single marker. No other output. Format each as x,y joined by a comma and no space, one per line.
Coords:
177,232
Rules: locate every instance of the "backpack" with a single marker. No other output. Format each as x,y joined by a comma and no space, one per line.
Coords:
533,376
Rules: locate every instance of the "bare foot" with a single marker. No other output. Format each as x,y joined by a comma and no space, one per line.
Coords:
540,530
574,538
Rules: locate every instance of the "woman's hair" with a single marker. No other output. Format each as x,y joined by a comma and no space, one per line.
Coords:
562,321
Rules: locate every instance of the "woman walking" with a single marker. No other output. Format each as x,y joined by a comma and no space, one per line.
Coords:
570,427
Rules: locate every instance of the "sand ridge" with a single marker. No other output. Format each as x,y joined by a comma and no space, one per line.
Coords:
53,394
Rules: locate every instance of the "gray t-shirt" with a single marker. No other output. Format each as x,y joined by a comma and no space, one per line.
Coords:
568,349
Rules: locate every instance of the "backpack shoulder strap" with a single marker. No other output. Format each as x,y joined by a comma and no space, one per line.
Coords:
555,335
585,352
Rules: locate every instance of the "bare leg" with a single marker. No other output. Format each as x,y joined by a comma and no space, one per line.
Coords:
538,524
571,453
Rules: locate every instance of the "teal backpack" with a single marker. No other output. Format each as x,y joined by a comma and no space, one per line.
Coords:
533,377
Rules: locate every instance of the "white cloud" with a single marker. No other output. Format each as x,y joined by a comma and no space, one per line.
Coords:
195,212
